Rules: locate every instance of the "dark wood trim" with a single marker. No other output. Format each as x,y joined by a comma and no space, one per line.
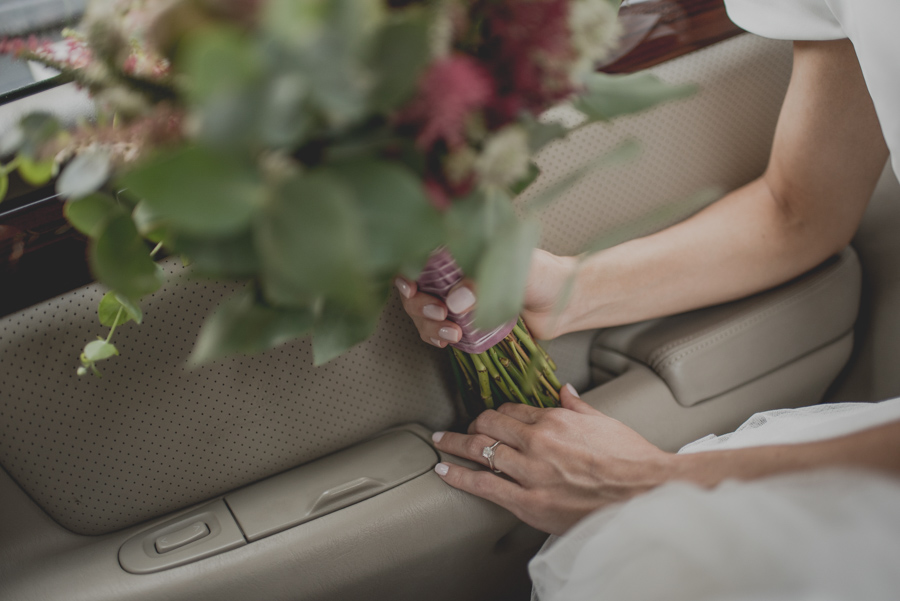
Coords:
41,256
659,31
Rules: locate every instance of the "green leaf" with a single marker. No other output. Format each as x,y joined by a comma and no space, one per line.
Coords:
609,96
309,241
401,225
120,260
541,134
533,173
286,119
4,183
337,331
218,61
243,324
655,220
197,191
115,309
98,350
471,223
36,129
624,152
85,174
221,257
399,55
503,272
90,214
36,173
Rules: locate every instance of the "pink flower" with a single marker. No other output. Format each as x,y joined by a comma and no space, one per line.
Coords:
449,91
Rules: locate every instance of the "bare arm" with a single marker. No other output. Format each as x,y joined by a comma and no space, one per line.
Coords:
826,158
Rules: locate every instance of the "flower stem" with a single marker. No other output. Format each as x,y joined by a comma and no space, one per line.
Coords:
484,382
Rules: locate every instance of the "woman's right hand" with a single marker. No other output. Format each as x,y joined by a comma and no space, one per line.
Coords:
546,280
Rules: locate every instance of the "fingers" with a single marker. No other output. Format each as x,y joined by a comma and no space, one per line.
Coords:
429,314
569,399
461,298
506,459
483,484
500,426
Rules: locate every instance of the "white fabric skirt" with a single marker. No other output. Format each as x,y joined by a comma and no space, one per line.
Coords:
819,535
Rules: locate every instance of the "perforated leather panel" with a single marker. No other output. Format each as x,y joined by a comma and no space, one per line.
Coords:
151,437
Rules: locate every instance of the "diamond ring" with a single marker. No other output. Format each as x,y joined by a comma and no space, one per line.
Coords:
488,453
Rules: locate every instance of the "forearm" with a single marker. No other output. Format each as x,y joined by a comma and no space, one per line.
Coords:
745,243
876,449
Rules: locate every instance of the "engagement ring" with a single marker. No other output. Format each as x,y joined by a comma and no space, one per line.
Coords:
488,453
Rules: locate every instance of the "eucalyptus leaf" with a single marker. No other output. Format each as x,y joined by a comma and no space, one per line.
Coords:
90,214
337,331
197,191
309,240
401,225
85,174
624,152
503,273
115,309
243,324
99,350
399,55
120,259
540,134
608,96
36,129
655,220
533,173
36,173
471,223
219,257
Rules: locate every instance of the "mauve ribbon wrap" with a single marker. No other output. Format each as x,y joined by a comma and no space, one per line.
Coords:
441,273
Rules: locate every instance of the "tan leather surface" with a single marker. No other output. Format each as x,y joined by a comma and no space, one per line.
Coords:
638,397
152,437
874,371
704,353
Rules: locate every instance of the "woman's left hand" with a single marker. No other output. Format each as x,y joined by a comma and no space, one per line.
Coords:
560,464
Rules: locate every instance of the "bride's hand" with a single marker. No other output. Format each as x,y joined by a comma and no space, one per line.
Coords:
559,464
546,280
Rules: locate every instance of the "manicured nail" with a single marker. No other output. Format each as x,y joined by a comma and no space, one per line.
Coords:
572,391
437,342
460,300
434,312
442,469
403,287
437,436
449,334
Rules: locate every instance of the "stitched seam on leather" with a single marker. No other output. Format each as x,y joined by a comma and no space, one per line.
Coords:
697,343
658,354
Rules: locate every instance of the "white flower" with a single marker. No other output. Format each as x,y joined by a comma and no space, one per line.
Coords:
505,157
595,32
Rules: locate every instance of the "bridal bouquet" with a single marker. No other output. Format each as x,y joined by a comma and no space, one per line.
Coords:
315,149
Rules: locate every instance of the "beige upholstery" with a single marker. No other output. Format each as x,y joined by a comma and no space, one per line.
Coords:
704,353
151,437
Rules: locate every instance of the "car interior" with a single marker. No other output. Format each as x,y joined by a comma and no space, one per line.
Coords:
264,477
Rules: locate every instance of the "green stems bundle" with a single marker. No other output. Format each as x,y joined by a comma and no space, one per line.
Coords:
515,370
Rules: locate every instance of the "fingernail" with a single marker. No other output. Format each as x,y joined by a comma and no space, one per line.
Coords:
449,334
460,300
437,342
437,436
442,469
572,391
403,287
434,312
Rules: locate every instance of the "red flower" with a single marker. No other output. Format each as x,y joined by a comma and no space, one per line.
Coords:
449,91
529,51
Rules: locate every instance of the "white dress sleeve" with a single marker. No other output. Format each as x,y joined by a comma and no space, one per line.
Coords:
786,19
